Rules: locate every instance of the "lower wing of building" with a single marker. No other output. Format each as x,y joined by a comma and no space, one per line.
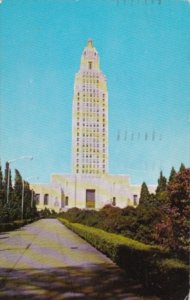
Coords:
86,192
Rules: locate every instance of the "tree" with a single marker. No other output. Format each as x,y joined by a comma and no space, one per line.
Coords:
28,210
144,195
17,198
182,167
173,230
179,190
162,184
2,192
172,175
8,181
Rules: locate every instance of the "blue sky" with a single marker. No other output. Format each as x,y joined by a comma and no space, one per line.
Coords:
144,52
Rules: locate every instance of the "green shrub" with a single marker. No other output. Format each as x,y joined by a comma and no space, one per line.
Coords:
15,224
150,264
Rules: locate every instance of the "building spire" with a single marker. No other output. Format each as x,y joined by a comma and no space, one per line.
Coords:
90,43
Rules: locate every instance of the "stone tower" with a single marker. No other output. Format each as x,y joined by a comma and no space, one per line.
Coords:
90,116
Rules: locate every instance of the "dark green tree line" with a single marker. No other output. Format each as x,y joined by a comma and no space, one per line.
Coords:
11,197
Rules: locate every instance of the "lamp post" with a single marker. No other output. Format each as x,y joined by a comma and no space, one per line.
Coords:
8,179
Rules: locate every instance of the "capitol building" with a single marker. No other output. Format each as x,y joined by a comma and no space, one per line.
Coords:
89,185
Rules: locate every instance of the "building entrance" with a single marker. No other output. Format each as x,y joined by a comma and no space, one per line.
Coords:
90,198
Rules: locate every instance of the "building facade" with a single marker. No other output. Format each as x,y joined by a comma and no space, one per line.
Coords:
90,116
89,185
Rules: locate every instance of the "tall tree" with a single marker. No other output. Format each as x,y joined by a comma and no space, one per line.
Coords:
17,199
162,184
179,190
18,184
28,211
172,175
173,230
144,195
182,167
8,181
2,192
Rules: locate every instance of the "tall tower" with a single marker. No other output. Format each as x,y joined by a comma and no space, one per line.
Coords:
90,116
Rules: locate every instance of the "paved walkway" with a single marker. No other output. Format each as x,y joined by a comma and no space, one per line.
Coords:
45,260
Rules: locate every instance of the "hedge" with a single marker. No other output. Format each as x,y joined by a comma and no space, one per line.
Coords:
152,265
15,224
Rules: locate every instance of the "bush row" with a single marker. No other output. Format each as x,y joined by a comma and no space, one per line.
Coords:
149,264
15,224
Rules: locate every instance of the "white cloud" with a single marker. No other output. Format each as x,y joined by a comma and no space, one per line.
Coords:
187,1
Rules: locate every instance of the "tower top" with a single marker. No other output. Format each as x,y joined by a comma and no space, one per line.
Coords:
90,58
90,43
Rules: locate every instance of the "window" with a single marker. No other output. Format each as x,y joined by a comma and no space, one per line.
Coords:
46,199
66,200
114,201
37,199
90,198
90,65
135,197
62,200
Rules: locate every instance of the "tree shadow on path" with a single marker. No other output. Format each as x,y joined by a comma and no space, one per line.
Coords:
87,282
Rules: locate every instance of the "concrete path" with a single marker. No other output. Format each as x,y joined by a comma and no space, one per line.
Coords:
45,260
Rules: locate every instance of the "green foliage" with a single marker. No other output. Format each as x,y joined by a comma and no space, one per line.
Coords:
149,264
162,184
182,167
172,175
47,213
173,229
179,190
11,210
2,190
9,226
162,218
144,196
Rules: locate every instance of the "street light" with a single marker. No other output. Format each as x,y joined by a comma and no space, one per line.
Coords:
22,202
8,179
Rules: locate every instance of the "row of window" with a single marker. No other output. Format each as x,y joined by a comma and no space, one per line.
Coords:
89,119
91,150
89,86
91,161
89,197
89,94
90,112
90,165
90,74
91,90
93,131
90,156
93,145
89,141
92,140
135,200
90,80
91,171
45,200
89,125
91,101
